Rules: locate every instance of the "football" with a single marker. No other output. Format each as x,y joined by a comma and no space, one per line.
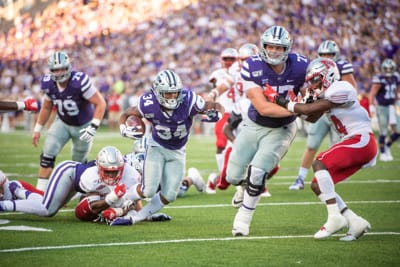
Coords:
133,121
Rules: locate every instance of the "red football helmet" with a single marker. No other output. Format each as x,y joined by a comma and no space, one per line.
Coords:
228,57
110,164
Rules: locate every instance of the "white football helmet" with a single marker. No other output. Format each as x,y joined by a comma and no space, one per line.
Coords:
228,56
329,47
167,81
320,74
59,61
388,67
136,160
276,36
247,50
110,164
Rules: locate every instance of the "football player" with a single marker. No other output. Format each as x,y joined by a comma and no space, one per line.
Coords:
384,92
356,149
227,57
170,109
29,104
316,132
265,137
73,95
13,189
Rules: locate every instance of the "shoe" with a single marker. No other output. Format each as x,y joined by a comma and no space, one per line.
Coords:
357,228
210,189
297,185
14,187
266,193
334,224
384,157
197,180
241,224
223,184
121,221
388,153
237,199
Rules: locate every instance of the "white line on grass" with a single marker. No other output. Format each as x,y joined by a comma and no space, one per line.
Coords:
259,204
174,241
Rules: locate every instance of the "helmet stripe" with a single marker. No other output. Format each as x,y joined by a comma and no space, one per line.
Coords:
171,78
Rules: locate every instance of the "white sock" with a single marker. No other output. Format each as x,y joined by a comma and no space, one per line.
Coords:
340,202
349,214
151,207
250,202
303,173
333,209
42,184
220,161
326,185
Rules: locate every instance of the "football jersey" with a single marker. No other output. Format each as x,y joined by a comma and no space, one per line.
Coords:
386,94
255,70
72,104
349,118
88,179
227,98
170,129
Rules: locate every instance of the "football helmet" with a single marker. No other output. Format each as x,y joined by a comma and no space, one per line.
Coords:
167,81
136,160
275,36
110,164
320,74
329,47
228,56
388,67
59,61
247,50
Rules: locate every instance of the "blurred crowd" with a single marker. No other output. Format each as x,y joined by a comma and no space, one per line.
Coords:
123,44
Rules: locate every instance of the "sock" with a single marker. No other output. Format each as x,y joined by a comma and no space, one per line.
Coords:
42,184
333,209
250,202
326,185
349,214
220,161
303,173
152,207
340,203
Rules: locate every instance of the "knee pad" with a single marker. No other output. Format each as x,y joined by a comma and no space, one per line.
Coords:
47,161
255,181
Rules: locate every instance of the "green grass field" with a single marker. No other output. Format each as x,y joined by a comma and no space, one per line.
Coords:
200,231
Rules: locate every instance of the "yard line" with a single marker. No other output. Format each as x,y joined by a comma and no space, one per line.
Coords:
176,241
259,204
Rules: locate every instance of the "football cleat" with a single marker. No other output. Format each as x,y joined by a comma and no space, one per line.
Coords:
197,180
14,187
334,224
357,228
120,221
237,199
298,184
210,189
266,193
241,224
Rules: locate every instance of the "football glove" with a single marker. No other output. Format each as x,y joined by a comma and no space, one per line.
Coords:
111,214
211,116
131,132
88,133
159,217
31,104
274,97
118,192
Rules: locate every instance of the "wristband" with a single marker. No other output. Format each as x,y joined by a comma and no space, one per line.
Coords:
95,123
290,106
37,127
20,105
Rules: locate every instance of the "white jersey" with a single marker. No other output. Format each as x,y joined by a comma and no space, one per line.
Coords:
226,99
349,118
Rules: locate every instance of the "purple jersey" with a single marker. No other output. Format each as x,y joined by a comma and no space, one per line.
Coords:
72,104
171,128
292,79
387,92
344,67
